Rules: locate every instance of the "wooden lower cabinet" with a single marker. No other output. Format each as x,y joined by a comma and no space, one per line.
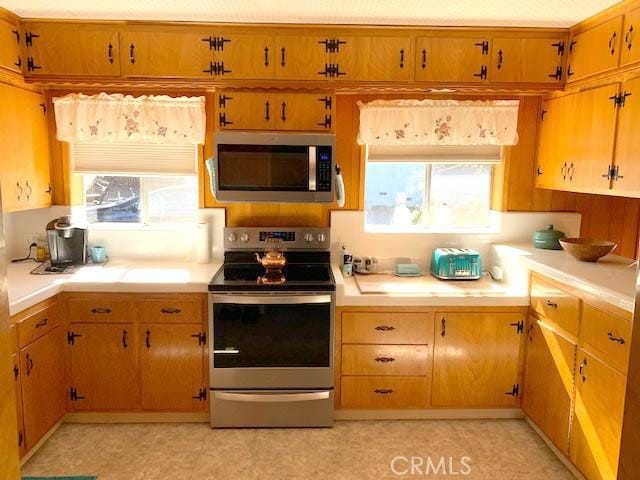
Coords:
476,359
103,367
548,386
385,359
597,422
172,367
18,389
43,393
385,392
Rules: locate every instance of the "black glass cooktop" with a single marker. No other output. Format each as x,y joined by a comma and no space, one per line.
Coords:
298,276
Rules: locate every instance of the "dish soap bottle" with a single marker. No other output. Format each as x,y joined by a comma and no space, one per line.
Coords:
347,262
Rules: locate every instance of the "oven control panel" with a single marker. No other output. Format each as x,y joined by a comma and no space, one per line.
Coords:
255,238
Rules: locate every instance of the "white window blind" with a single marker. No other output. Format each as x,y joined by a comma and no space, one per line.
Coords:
435,153
134,159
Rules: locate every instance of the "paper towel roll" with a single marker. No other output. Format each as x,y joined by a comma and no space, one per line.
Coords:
203,248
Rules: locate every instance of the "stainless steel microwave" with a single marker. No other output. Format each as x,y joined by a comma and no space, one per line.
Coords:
274,167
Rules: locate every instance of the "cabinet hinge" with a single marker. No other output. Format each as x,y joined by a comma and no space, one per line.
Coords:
615,173
326,123
557,74
619,99
71,337
571,45
332,45
331,70
28,37
20,438
560,47
515,391
16,372
484,45
222,100
73,393
519,326
327,102
542,114
483,73
44,108
222,120
31,65
202,338
202,395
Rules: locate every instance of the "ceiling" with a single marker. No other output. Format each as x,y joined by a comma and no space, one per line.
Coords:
534,13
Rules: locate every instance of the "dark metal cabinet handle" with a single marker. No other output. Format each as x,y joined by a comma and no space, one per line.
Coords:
571,170
538,172
551,304
385,328
402,58
628,38
20,190
424,59
30,191
101,310
583,367
16,372
18,62
384,359
16,33
169,310
283,60
563,171
29,361
266,56
383,391
267,117
42,323
284,111
125,344
110,52
443,326
132,53
147,339
500,59
613,338
612,43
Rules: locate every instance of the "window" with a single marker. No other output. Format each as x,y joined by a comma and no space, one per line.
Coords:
427,195
140,199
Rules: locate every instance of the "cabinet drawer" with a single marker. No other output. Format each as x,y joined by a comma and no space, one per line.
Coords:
36,325
552,303
387,328
385,392
385,360
100,309
169,311
608,335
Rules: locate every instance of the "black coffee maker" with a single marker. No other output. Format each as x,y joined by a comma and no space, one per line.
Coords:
67,243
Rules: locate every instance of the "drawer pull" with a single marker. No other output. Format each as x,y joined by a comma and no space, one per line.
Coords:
29,361
100,310
147,339
170,310
383,391
551,304
125,344
613,338
385,328
583,367
42,323
385,359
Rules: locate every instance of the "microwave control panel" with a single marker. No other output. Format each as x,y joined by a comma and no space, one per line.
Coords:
323,169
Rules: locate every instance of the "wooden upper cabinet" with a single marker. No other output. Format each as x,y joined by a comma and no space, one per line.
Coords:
597,422
246,110
304,111
166,54
172,367
595,50
103,371
70,49
10,56
347,58
476,359
627,181
301,57
451,59
533,60
630,52
43,385
388,59
552,145
548,382
245,56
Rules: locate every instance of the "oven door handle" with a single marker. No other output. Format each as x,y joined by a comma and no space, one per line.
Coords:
271,299
272,398
227,352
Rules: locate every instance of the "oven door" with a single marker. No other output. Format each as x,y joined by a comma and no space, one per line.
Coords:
271,341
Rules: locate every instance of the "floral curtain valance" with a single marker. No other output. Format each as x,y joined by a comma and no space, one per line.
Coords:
124,118
438,122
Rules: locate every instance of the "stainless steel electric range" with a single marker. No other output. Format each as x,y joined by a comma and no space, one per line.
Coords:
272,343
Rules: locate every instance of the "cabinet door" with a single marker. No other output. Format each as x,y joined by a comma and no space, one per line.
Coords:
551,144
14,148
595,50
39,184
247,56
548,382
532,60
476,359
301,58
628,141
388,59
66,49
304,111
172,367
446,59
10,57
18,389
164,54
591,139
349,58
630,52
103,367
246,110
597,423
43,385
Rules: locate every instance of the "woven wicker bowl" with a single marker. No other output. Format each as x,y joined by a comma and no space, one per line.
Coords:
586,249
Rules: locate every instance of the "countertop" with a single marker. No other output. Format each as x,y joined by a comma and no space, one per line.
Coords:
26,290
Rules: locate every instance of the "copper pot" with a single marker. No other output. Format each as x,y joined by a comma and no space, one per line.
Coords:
272,261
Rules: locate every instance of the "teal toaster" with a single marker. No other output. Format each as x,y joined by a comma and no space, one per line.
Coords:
456,264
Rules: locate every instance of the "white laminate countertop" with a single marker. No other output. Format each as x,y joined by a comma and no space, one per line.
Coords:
160,276
612,278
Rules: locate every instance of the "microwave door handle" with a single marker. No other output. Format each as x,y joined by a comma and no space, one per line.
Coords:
340,194
312,169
